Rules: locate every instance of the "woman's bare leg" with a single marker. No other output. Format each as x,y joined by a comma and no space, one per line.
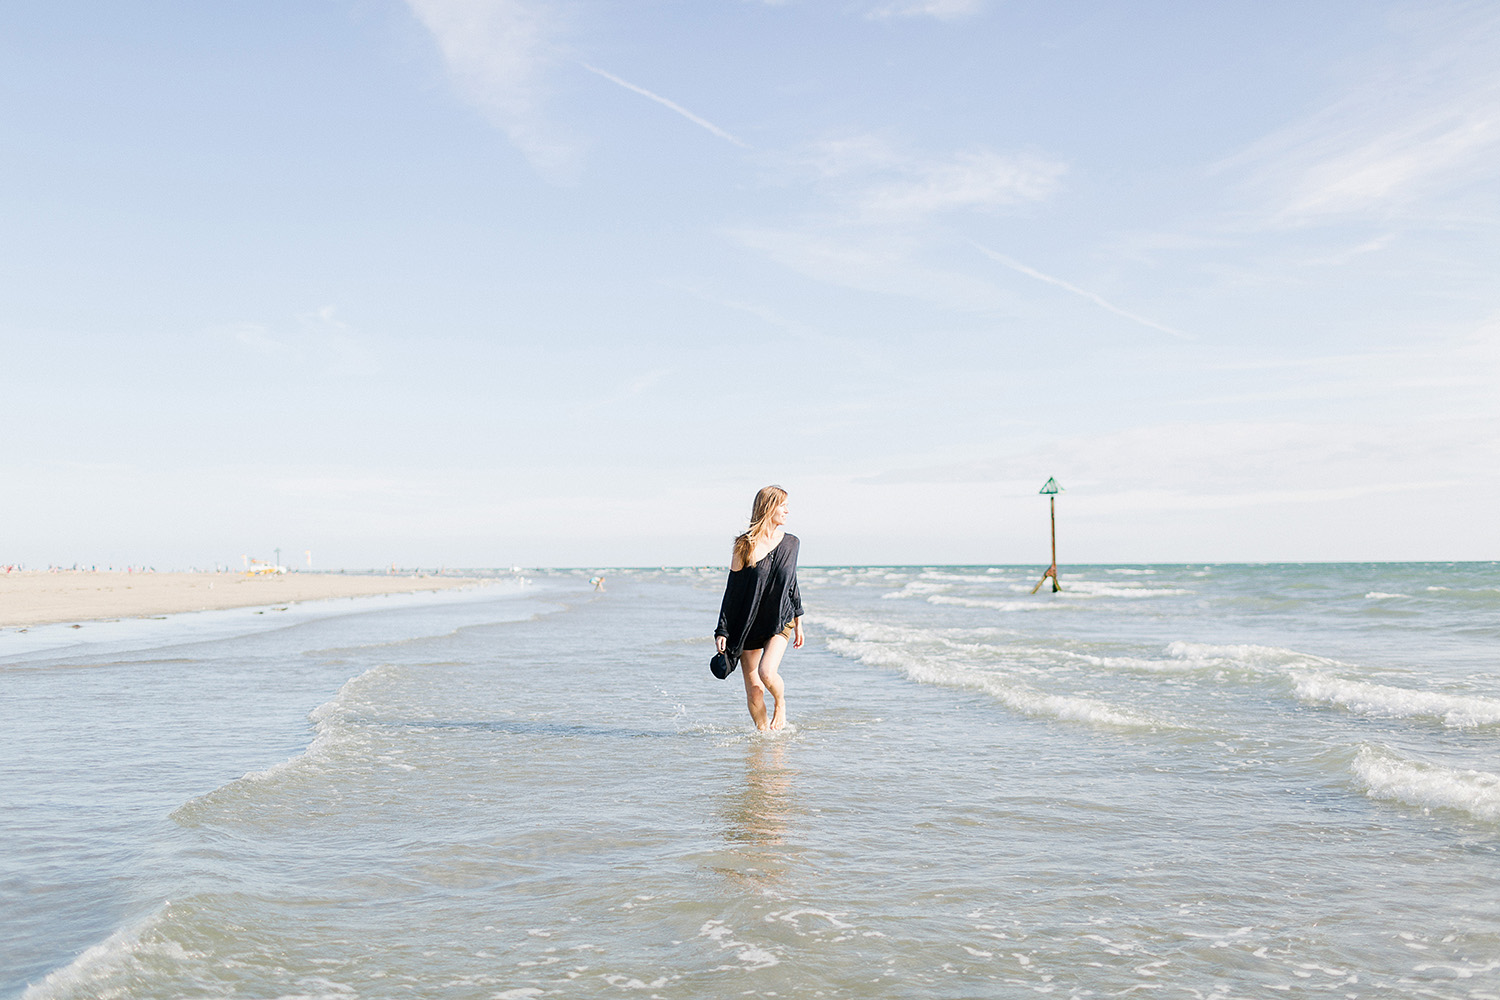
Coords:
755,688
770,664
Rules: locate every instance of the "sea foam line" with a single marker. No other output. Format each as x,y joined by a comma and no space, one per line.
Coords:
1010,693
1386,775
994,605
104,970
331,733
1385,701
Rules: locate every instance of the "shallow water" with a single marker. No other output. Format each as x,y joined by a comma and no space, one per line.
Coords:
1195,781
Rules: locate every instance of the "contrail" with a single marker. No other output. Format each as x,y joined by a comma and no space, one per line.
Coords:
1103,303
684,112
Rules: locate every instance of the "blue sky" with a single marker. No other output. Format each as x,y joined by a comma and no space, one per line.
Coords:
482,282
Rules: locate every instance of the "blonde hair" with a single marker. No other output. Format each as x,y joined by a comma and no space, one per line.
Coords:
766,502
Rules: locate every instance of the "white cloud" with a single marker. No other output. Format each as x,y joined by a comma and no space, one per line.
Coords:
257,338
871,177
943,10
883,206
974,180
1157,500
1403,163
320,341
867,262
852,154
498,52
1421,123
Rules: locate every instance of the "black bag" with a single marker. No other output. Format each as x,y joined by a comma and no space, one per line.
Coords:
721,665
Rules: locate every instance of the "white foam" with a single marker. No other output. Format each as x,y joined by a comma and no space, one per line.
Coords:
1246,655
866,630
1135,662
1384,701
96,972
978,602
916,588
1009,692
1091,588
751,956
332,735
956,577
1123,571
1380,595
1427,786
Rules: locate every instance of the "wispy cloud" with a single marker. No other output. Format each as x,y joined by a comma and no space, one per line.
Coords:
497,52
318,339
943,10
880,181
970,180
669,104
882,211
1131,501
1421,122
256,338
870,263
1098,300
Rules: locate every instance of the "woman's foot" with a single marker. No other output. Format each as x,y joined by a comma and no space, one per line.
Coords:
778,720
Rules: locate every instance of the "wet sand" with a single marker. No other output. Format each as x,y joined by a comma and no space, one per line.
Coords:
39,598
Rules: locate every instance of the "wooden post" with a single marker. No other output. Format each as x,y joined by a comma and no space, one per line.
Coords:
1051,489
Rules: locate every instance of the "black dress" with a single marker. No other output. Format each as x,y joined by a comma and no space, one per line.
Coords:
760,600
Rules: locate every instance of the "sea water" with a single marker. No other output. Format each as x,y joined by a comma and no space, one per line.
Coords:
1194,781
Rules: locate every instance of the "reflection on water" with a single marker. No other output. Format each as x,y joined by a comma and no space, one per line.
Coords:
756,813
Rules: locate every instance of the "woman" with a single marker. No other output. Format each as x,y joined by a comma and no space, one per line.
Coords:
762,610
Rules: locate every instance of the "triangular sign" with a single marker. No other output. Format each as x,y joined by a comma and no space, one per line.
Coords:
1051,487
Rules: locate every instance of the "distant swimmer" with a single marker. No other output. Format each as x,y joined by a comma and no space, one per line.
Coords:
762,608
597,581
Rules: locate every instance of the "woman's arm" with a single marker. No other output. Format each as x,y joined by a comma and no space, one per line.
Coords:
721,633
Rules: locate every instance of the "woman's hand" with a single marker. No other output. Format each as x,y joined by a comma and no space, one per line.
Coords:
721,643
797,634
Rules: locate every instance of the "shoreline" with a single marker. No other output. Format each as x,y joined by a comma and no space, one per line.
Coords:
35,597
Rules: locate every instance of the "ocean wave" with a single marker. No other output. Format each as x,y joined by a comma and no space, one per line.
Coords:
333,736
114,967
868,631
1380,595
1124,571
1013,694
1386,775
1384,701
917,588
995,605
1246,655
1136,663
1091,588
956,577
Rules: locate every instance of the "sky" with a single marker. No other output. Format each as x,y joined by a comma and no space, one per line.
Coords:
477,283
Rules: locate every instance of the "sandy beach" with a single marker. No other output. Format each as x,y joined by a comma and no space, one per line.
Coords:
39,598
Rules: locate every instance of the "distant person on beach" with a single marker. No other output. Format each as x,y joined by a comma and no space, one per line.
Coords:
762,609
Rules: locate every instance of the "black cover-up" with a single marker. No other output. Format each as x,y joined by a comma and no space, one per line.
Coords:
759,600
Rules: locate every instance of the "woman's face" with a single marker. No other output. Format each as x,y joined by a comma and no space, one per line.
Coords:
779,515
